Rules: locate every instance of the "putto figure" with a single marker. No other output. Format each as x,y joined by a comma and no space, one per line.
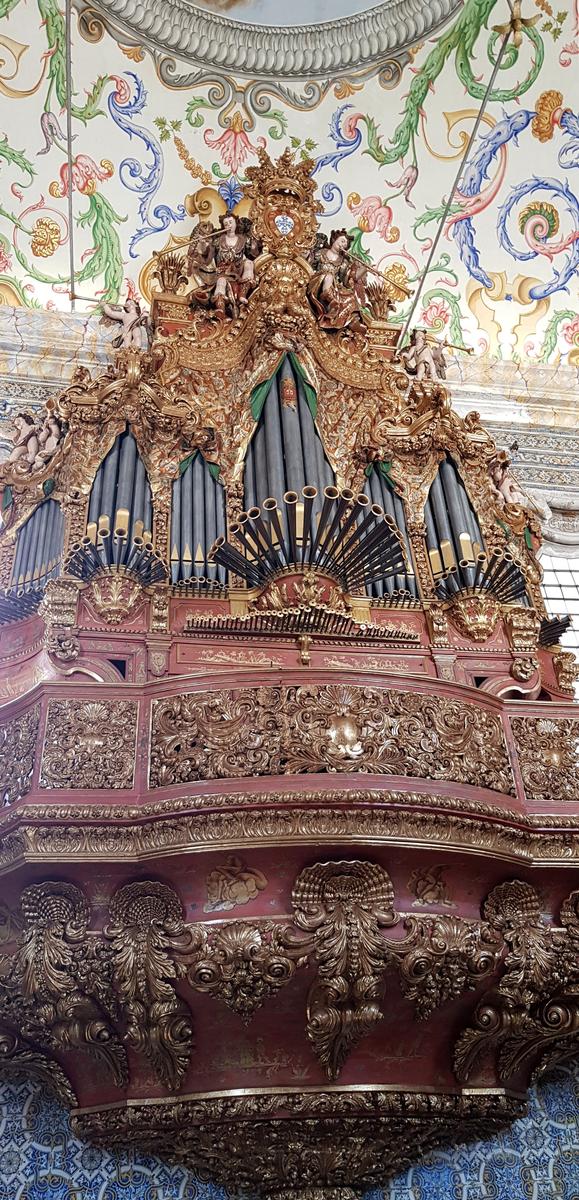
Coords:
34,443
132,321
221,263
422,360
337,290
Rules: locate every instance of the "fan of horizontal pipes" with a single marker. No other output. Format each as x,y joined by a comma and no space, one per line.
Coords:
350,539
496,574
136,557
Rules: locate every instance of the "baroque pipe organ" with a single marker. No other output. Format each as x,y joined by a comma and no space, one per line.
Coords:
288,749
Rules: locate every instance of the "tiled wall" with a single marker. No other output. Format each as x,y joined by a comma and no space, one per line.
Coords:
538,1159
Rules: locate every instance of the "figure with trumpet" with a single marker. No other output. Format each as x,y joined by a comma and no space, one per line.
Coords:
222,263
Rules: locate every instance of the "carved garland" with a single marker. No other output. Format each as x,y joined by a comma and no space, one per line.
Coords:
62,990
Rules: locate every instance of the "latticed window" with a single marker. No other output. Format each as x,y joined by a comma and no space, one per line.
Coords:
561,592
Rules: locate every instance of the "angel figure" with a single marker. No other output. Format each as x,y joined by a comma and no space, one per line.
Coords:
337,289
25,439
420,359
131,320
49,436
504,483
222,261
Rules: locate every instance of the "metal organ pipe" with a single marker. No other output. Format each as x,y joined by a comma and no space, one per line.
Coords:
285,452
453,533
197,521
39,546
381,493
120,502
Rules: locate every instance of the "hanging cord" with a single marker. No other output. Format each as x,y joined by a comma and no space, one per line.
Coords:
514,27
68,37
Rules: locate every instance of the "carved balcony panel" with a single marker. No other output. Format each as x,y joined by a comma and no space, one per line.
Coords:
326,728
548,752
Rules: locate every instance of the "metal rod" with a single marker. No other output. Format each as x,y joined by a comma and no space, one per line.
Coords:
68,104
456,182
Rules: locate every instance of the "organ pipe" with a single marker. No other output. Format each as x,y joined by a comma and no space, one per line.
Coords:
120,507
285,453
39,545
453,534
197,521
382,493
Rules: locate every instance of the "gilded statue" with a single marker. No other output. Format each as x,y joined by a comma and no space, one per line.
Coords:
221,262
337,289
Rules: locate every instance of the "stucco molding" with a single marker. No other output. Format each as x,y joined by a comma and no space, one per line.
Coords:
317,51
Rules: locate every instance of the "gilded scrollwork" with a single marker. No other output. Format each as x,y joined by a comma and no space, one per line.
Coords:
52,989
243,964
18,738
19,1058
548,753
325,1138
332,728
532,1015
89,744
442,957
340,908
150,946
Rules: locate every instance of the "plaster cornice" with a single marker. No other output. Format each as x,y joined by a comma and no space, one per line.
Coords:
330,48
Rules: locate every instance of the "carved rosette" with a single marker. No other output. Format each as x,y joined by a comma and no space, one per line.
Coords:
332,728
89,744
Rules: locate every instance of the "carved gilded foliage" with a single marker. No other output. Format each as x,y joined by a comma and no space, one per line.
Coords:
243,964
548,749
52,990
332,728
532,1015
89,744
442,957
326,1140
341,907
149,945
17,745
65,989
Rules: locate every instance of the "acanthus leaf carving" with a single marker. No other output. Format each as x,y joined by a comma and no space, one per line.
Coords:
150,946
330,728
341,907
19,1058
243,964
532,1015
442,957
50,989
17,747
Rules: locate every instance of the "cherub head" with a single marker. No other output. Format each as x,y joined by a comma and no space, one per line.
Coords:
23,421
340,240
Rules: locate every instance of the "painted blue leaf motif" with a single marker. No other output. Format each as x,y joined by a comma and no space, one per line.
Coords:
144,179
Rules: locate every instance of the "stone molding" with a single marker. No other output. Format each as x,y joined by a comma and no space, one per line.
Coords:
315,51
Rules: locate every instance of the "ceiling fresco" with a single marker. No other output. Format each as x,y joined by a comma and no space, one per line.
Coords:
151,127
274,12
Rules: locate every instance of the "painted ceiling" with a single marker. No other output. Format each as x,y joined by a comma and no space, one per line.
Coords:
154,119
275,12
